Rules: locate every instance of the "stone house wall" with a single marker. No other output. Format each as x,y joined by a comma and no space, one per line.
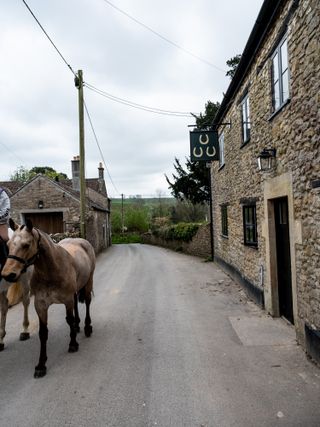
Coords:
295,133
54,198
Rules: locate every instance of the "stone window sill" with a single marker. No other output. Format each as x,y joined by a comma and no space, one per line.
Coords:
275,113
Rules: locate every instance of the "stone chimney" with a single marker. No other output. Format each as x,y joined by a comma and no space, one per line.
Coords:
75,166
101,172
101,178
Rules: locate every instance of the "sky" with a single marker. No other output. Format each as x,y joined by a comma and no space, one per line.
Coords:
39,102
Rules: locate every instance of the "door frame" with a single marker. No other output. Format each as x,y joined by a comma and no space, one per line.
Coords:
275,188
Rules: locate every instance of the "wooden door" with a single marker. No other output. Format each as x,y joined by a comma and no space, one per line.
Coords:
283,258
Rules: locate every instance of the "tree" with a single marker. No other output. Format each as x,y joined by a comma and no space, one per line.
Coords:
193,184
23,174
233,64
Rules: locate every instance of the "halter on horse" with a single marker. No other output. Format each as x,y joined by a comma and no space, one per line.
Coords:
23,290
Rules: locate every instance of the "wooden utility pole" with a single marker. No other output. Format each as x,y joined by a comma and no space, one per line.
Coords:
79,85
122,217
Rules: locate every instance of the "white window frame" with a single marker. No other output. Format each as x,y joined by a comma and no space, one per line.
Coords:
245,117
280,75
221,149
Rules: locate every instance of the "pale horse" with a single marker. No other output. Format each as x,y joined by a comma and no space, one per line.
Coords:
20,291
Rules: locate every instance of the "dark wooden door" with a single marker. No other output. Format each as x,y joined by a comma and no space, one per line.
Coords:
50,222
283,258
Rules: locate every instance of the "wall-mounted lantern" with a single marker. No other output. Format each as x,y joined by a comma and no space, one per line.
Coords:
40,204
267,159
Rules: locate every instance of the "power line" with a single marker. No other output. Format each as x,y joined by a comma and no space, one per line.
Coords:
103,93
97,142
36,19
163,37
136,105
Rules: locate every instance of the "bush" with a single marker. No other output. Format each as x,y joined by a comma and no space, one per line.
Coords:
126,238
182,231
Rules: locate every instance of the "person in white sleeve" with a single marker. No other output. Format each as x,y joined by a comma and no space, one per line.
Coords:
4,225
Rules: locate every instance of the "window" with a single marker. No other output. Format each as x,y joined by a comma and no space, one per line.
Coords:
221,149
245,117
224,220
280,75
250,225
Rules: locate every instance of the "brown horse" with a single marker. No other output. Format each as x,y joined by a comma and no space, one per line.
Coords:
63,273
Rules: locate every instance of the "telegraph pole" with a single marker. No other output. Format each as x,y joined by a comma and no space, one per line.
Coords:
79,85
122,223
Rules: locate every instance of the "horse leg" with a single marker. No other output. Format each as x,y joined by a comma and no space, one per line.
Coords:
42,311
73,346
87,322
4,305
25,335
76,313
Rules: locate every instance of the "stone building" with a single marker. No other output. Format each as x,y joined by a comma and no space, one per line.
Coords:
267,217
54,206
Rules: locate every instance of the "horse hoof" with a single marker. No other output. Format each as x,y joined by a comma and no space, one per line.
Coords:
88,331
40,372
73,348
1,346
24,336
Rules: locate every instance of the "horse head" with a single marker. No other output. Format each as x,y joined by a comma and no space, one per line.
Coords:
23,250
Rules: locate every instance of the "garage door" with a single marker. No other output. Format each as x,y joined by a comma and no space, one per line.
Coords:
50,222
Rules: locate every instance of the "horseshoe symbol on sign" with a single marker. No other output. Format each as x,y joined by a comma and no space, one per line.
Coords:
211,154
197,155
206,139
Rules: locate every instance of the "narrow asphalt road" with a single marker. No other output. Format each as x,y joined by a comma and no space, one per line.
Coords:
175,343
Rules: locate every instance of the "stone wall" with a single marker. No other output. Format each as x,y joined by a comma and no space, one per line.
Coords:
295,134
55,199
199,245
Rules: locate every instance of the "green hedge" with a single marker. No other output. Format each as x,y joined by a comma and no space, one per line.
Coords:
182,231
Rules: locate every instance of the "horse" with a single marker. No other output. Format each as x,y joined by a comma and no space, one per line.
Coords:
22,291
63,274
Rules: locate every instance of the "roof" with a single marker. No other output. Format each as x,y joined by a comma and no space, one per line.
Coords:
266,17
12,187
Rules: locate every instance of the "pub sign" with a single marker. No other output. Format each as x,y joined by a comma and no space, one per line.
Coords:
204,145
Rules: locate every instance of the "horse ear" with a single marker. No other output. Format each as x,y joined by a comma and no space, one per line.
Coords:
13,225
29,224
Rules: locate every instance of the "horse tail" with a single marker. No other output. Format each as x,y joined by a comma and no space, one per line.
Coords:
82,295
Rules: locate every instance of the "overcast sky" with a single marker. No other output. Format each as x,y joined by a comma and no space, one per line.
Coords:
38,99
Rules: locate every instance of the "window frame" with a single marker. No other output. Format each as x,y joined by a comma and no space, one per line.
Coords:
221,150
245,119
224,220
277,76
250,227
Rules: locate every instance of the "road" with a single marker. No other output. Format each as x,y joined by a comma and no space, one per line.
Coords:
175,343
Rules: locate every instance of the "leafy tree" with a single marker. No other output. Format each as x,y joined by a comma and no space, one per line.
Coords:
233,64
193,183
23,174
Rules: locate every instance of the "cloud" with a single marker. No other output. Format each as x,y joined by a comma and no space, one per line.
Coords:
39,105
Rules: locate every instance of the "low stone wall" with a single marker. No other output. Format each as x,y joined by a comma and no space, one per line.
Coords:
200,244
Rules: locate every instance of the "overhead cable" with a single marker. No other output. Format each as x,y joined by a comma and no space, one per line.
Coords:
98,145
163,37
64,60
134,104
